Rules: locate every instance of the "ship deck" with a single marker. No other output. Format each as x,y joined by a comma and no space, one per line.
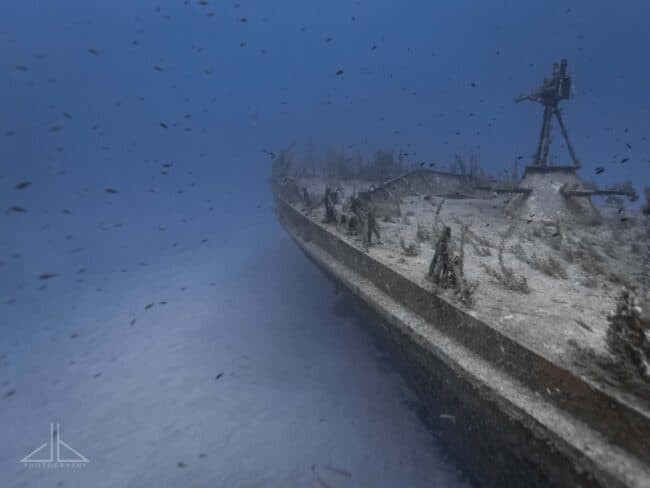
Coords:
570,295
541,346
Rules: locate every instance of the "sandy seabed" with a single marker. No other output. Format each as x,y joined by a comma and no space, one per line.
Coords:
243,372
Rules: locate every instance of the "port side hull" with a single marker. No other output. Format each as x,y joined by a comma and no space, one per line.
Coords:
500,428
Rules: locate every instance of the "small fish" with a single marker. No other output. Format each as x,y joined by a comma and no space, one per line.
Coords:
20,67
110,190
624,160
55,128
628,146
218,376
9,393
339,471
132,323
473,85
163,125
339,72
67,115
22,185
148,306
243,20
600,170
16,209
46,276
181,464
93,51
157,68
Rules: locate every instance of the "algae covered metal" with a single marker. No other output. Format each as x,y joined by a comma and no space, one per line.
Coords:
518,309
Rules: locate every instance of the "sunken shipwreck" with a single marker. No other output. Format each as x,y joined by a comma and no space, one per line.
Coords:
516,306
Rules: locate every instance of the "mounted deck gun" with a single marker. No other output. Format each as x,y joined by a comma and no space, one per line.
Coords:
550,94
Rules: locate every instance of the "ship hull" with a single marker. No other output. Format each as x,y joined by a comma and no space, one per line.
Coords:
496,423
